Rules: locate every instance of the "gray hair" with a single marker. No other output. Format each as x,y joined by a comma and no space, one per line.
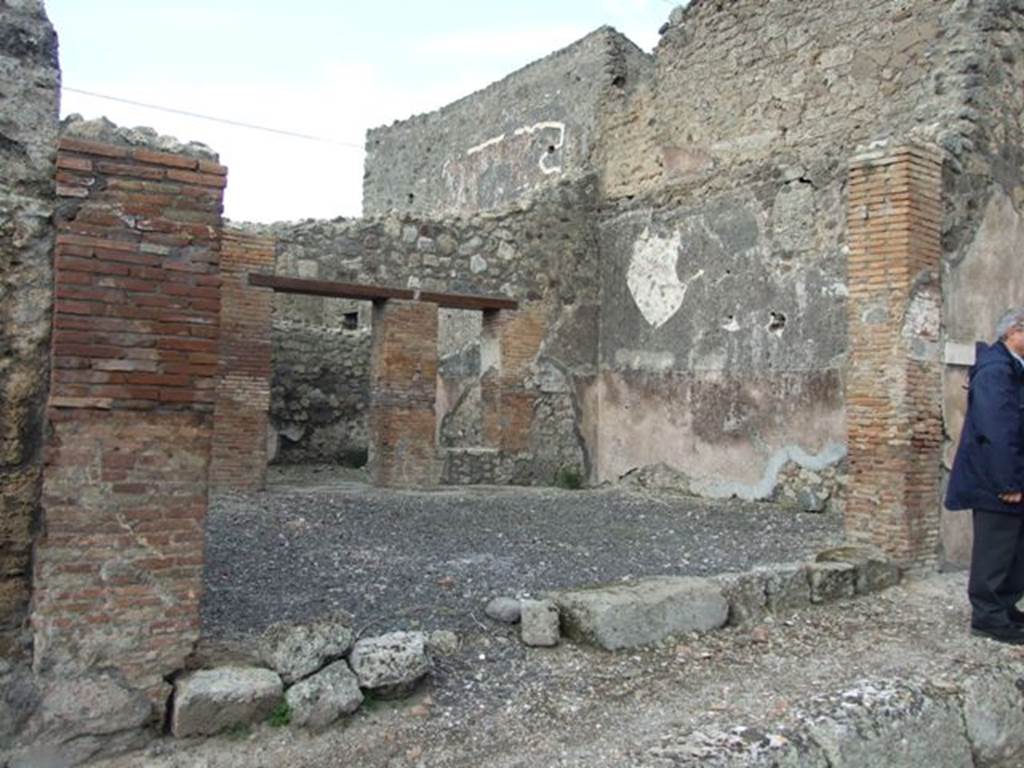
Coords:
1012,319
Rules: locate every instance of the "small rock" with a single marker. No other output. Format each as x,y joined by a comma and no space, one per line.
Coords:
760,634
390,665
810,500
212,700
318,701
442,643
296,651
540,623
875,571
504,609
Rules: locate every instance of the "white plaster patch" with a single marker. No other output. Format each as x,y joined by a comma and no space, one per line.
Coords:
762,489
652,279
548,125
732,326
484,145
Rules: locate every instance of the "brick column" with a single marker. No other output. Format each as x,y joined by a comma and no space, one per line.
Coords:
510,344
242,410
894,385
403,394
118,567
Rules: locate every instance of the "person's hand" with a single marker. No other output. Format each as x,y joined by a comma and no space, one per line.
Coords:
1011,498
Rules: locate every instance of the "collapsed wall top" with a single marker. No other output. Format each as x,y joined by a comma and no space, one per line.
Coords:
536,127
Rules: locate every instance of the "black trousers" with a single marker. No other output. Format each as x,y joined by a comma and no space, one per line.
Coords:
996,581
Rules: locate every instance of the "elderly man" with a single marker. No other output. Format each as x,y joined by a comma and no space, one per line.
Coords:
988,477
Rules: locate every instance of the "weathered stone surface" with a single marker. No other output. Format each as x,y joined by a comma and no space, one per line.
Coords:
631,615
539,623
296,651
318,701
883,726
993,706
443,643
30,83
875,570
746,594
831,581
786,587
504,609
75,719
390,665
210,701
19,698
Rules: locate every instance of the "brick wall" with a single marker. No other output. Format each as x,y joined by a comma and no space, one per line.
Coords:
118,566
508,400
894,383
403,394
239,458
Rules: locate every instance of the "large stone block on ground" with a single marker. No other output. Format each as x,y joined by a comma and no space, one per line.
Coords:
296,651
213,700
390,665
874,570
631,615
78,718
994,715
318,701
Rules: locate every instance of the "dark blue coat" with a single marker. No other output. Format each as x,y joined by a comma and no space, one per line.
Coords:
990,458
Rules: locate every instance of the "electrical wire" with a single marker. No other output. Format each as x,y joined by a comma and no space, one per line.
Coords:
212,119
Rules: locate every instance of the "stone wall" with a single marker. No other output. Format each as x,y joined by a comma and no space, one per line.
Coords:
320,392
30,82
543,252
533,129
118,566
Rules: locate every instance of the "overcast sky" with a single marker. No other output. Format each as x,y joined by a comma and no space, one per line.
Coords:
329,68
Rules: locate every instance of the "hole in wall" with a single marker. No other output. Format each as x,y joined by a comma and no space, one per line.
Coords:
777,322
551,149
350,321
411,198
619,81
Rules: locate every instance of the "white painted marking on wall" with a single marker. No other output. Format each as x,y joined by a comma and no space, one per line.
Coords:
829,455
652,278
485,145
552,125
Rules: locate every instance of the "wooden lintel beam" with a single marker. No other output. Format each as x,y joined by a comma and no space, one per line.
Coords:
337,290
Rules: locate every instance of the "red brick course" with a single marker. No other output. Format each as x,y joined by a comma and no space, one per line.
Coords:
118,566
246,355
403,387
893,387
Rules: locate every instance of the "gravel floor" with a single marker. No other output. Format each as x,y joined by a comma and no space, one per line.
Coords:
430,560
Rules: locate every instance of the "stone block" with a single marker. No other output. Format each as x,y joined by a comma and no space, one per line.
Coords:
296,651
318,701
993,704
786,587
630,615
746,594
874,570
539,623
830,581
390,665
213,700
